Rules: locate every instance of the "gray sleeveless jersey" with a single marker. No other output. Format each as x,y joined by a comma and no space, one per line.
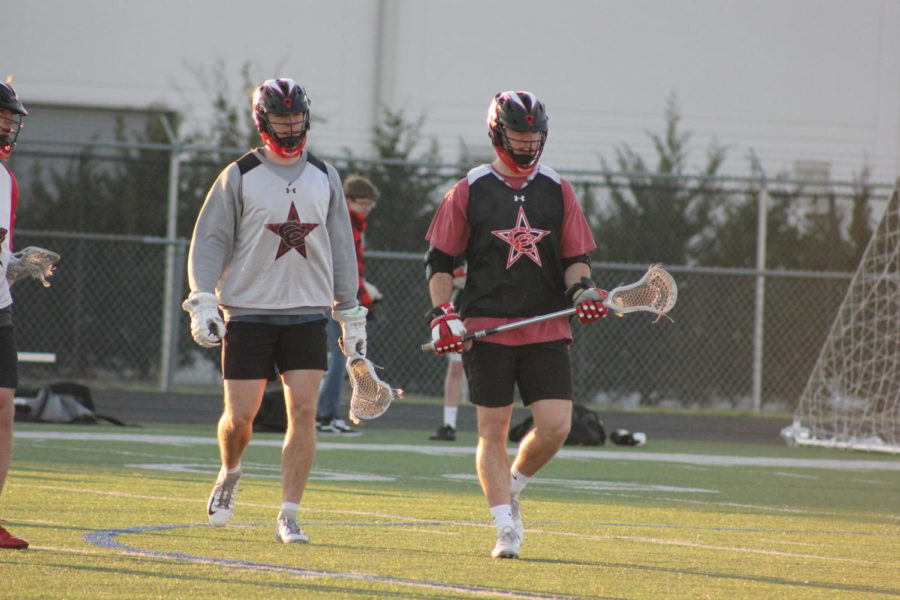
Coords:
275,239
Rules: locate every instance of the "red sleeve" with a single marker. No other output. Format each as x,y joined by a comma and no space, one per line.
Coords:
449,229
14,200
576,235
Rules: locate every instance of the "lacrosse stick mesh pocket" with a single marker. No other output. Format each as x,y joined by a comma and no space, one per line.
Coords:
656,290
371,396
32,262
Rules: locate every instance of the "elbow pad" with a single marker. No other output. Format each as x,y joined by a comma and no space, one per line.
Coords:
437,262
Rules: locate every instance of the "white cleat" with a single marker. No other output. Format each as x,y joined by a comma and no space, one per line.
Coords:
221,501
287,531
507,545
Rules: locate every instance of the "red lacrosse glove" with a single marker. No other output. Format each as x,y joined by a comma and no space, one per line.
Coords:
447,329
587,299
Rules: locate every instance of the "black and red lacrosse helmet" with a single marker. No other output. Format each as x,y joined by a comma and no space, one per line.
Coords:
517,111
281,97
9,129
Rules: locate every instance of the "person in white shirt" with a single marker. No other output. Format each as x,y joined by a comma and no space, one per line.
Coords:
273,249
11,114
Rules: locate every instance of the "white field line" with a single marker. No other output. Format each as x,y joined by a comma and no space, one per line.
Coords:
739,550
358,513
596,454
406,522
109,539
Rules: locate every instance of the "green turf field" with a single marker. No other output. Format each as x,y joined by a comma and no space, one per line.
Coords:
117,512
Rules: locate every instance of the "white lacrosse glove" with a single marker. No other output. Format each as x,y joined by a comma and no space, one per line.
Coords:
207,325
353,329
374,294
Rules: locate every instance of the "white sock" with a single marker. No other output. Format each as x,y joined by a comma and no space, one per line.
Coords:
502,516
450,416
517,482
231,474
289,509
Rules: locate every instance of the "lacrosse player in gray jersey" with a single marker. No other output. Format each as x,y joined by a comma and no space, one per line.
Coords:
273,250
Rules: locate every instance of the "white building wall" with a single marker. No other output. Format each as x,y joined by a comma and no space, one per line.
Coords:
790,80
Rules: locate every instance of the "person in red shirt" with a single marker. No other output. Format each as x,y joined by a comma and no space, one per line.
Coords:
11,114
526,243
454,384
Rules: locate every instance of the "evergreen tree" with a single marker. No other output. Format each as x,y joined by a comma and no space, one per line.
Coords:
410,181
655,215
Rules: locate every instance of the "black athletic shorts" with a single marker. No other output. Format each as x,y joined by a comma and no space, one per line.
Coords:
541,371
9,360
254,350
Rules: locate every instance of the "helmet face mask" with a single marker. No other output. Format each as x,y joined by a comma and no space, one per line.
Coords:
277,103
522,114
11,114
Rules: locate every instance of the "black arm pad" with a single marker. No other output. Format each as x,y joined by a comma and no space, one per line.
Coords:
581,258
437,262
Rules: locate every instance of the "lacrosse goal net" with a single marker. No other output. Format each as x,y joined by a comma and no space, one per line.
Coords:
852,397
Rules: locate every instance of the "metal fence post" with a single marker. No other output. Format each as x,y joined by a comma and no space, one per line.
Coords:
760,302
168,345
178,250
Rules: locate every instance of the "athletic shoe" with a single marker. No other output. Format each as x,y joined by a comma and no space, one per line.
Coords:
507,545
516,511
8,540
342,426
445,433
337,427
287,531
221,501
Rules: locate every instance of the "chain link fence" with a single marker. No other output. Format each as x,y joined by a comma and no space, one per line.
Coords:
739,337
106,319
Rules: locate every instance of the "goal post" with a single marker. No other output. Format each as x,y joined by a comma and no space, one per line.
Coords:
852,397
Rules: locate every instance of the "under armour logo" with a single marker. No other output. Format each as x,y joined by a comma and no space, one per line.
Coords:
518,198
290,190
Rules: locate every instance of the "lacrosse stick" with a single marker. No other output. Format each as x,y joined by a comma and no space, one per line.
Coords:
655,292
32,262
371,396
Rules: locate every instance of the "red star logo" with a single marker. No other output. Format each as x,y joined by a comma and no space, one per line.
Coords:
292,232
522,240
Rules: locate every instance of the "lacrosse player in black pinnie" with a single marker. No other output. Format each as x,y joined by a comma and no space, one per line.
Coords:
274,249
526,242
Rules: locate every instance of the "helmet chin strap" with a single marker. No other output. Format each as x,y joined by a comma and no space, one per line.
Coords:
512,165
281,151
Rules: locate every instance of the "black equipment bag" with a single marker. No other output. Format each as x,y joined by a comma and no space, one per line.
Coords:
587,428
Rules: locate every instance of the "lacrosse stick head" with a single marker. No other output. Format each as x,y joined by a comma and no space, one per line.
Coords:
655,292
35,262
371,396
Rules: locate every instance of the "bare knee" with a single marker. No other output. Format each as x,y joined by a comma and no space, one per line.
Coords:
552,420
237,420
553,432
7,409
